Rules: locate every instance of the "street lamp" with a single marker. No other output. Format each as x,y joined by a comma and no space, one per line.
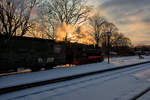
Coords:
108,44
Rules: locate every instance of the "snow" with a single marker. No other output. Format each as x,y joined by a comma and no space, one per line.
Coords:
117,85
13,80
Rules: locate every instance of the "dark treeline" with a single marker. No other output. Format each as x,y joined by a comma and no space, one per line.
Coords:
119,43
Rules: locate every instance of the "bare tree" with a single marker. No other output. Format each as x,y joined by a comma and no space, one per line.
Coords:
110,27
121,44
119,40
15,16
48,25
107,27
97,22
64,11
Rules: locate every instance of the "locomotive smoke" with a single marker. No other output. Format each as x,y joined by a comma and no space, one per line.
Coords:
74,33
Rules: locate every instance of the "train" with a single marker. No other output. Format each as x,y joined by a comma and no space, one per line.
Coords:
36,53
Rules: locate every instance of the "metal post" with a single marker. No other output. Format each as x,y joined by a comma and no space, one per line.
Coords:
108,48
108,45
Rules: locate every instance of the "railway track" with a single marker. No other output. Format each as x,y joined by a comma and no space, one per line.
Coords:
136,97
30,85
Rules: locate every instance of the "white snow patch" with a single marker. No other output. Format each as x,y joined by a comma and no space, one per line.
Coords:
13,80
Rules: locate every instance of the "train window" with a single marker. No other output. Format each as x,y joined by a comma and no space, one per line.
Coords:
40,60
50,60
57,49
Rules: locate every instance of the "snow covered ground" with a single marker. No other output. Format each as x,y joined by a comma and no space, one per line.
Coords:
13,80
117,85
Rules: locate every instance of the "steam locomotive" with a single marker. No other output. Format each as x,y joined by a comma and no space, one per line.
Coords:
36,53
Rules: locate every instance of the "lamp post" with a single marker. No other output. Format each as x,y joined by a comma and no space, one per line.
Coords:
108,44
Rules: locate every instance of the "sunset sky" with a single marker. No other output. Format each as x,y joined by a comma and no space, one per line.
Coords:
132,17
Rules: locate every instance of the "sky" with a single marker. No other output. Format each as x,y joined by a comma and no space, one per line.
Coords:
132,17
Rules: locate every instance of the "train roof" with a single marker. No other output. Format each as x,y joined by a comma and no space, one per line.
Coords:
39,39
23,38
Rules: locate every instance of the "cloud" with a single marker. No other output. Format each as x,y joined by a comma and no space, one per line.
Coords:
126,3
131,16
